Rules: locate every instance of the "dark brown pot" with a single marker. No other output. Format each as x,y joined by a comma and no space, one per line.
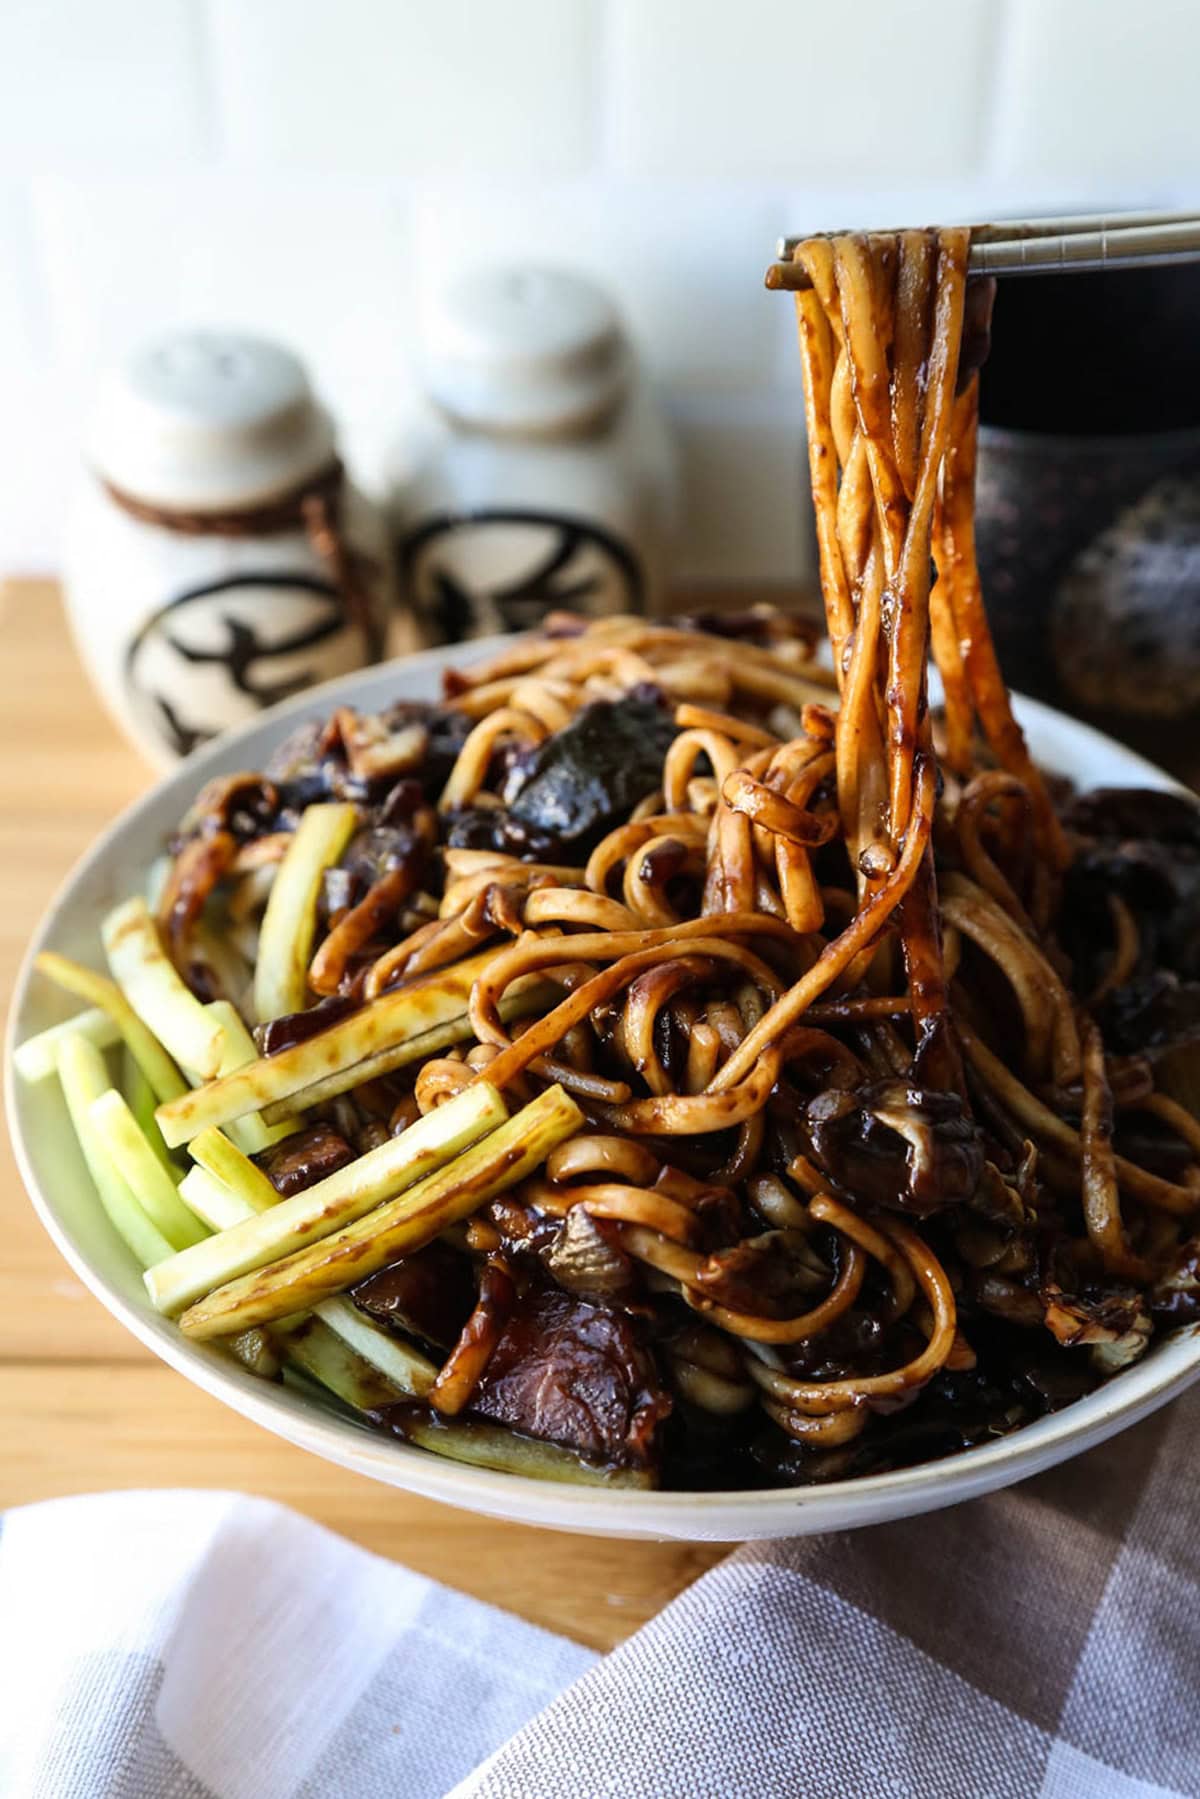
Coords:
1041,499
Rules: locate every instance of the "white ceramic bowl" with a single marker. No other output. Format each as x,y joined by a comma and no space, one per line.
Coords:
66,1202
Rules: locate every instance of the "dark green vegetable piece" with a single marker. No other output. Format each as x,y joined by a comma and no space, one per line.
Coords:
593,771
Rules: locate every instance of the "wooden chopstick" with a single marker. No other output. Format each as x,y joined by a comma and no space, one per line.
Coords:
1025,249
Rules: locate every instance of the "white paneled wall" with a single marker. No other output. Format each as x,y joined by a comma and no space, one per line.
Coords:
315,170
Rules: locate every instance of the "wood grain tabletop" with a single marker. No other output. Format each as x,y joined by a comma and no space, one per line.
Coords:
83,1406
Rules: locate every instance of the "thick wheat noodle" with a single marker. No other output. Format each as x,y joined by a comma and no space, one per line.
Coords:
1047,1127
1101,1188
1023,974
597,1088
1177,1117
1127,946
802,902
988,689
904,534
914,276
463,889
854,1011
860,932
866,305
650,639
618,1202
700,718
698,680
463,1368
1022,959
626,952
575,906
808,759
627,839
773,813
827,1210
469,773
440,1079
817,353
704,1052
1045,1003
596,1154
591,662
855,519
359,925
261,852
730,884
909,633
857,1390
681,759
699,1114
977,796
433,946
552,703
572,660
920,940
947,653
646,898
742,1159
686,1265
861,764
777,686
645,997
393,964
828,1430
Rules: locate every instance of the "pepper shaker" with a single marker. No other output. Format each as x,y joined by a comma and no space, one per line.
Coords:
219,559
542,476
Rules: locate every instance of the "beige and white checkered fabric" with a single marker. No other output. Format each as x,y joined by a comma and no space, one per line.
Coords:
1044,1641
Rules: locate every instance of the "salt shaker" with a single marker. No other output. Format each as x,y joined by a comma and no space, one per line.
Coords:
541,476
218,557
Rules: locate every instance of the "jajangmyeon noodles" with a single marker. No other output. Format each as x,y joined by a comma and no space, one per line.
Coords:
845,1055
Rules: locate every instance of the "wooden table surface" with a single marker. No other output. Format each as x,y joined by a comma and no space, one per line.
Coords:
83,1406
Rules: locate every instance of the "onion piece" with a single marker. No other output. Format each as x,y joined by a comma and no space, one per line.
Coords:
37,1058
492,1446
150,982
100,990
117,1132
290,920
321,1210
84,1078
391,1022
396,1228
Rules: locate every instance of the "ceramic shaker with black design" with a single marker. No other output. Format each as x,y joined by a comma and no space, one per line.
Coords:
218,558
540,476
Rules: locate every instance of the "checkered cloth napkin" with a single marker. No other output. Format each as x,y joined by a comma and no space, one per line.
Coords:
1044,1641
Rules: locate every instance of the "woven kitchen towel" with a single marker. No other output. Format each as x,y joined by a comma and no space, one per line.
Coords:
1044,1641
211,1646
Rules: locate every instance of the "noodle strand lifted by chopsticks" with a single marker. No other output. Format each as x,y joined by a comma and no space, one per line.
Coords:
855,1166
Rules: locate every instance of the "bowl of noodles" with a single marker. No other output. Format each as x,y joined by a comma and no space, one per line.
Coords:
637,1077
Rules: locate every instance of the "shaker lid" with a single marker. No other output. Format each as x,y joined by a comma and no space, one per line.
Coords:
525,349
205,420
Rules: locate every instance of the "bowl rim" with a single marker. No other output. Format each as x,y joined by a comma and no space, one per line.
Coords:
332,1433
